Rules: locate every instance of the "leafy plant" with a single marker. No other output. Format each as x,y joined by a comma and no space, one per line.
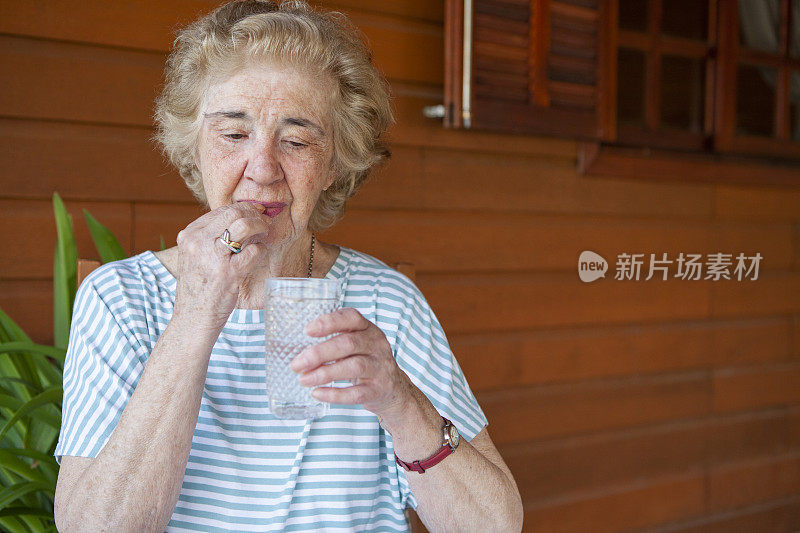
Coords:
31,388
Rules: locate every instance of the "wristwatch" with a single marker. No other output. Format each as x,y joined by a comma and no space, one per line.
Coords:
451,440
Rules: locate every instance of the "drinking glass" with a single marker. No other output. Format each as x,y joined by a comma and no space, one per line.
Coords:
290,304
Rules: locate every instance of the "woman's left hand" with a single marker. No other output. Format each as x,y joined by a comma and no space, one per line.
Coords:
361,353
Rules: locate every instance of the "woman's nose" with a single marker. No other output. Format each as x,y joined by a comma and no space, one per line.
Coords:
262,162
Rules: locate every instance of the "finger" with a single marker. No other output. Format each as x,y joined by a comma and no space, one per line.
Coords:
353,367
224,215
245,228
344,319
356,394
248,257
339,347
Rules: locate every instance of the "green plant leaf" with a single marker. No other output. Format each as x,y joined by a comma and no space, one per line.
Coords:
58,354
41,435
27,384
37,356
15,365
6,400
33,406
20,467
10,331
13,525
19,511
16,491
107,245
30,512
44,459
64,273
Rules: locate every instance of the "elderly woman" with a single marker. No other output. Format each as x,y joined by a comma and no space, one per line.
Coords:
273,115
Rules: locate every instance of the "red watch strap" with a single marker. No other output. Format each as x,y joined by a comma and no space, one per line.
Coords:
422,466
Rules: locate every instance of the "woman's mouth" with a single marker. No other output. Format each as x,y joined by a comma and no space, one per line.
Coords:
272,212
271,209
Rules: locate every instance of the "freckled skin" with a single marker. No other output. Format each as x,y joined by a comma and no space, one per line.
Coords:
264,157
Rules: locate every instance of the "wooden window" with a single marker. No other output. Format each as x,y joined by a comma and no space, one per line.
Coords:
759,78
701,76
532,66
664,66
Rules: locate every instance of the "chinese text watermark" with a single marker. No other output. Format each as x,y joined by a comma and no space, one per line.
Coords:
714,266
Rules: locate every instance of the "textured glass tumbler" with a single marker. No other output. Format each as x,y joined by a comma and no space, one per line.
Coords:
290,304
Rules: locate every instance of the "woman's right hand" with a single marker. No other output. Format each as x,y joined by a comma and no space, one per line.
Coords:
209,274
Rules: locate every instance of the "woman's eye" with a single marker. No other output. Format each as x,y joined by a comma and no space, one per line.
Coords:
295,144
235,136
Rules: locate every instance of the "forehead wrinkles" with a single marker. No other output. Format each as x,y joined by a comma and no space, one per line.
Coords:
272,93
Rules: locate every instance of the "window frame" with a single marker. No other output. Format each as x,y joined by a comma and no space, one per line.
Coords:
726,140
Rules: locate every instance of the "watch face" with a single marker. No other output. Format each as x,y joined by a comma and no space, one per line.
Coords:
454,436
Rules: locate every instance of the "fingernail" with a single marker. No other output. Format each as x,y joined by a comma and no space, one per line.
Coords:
305,380
256,204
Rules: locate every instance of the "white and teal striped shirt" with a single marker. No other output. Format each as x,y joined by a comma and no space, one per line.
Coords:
247,470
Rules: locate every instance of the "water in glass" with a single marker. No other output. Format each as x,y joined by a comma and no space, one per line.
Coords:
290,304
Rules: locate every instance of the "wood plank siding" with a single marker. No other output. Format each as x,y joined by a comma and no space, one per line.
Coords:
619,405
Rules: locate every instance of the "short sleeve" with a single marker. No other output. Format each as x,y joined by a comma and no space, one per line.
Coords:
103,363
423,352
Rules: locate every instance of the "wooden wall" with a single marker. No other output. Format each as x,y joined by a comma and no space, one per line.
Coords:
619,405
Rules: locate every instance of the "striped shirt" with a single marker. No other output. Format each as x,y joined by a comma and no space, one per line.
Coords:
247,470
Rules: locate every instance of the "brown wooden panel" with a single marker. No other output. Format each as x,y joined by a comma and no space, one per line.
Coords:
414,129
562,467
534,184
25,219
111,85
152,221
796,247
95,84
151,24
761,203
752,388
447,241
146,25
439,243
771,241
548,411
796,336
404,49
120,163
780,515
752,481
647,503
30,305
492,361
771,293
86,267
649,164
84,162
495,302
514,117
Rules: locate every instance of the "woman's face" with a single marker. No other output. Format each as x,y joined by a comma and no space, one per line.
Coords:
266,136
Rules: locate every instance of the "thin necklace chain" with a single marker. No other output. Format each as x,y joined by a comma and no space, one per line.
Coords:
311,259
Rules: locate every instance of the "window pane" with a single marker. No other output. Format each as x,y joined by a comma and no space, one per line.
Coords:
685,18
630,87
794,96
794,38
682,93
759,24
633,14
755,100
